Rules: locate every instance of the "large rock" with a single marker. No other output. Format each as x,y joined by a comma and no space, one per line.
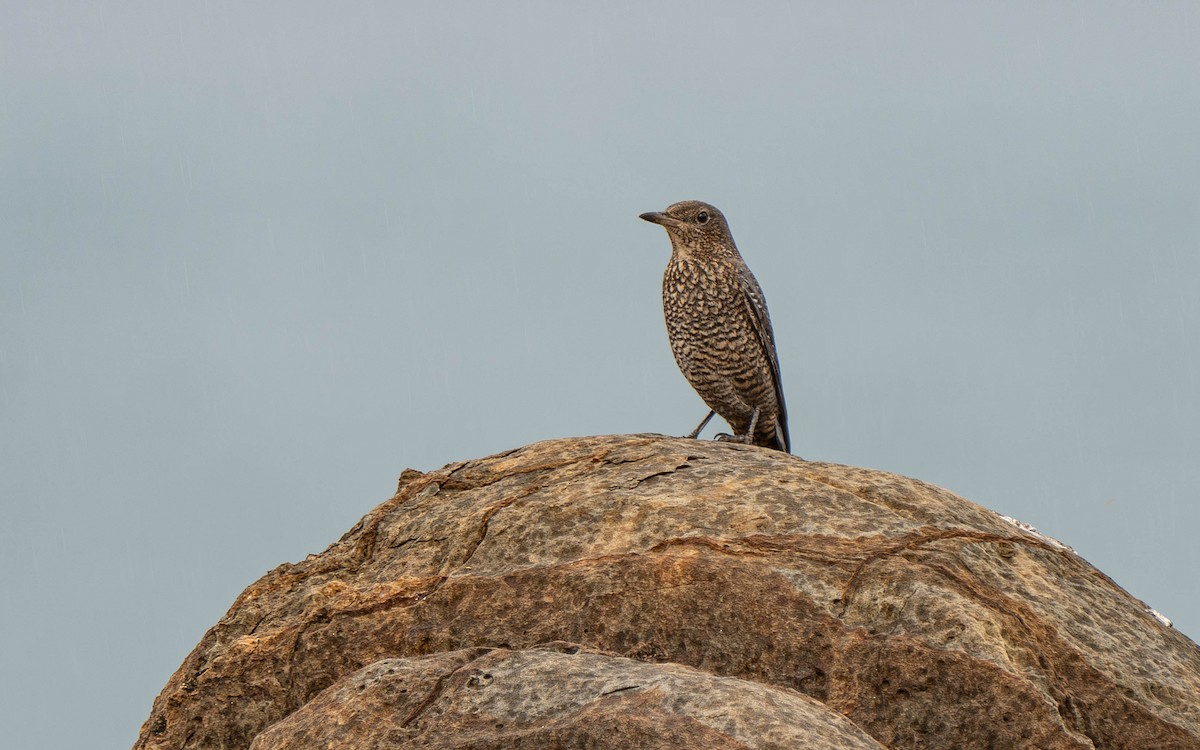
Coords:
541,699
927,620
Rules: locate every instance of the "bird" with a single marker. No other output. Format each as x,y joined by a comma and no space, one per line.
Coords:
718,326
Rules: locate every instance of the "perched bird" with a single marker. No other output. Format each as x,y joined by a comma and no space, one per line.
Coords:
719,328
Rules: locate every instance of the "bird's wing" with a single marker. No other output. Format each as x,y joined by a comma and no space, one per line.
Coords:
756,305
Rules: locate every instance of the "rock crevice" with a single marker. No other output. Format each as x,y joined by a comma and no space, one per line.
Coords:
875,609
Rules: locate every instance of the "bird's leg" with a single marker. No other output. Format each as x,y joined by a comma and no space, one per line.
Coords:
696,432
748,438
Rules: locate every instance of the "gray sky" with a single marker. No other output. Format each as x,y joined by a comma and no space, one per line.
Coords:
255,260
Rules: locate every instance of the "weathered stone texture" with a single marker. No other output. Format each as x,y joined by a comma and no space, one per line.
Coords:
925,619
542,698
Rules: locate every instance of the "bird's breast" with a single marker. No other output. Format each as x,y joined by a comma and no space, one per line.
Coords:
705,312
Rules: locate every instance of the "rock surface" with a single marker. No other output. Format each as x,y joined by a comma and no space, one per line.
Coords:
495,698
925,619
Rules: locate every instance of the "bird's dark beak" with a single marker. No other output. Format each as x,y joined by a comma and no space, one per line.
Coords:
654,217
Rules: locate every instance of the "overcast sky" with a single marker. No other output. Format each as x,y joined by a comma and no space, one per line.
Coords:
256,259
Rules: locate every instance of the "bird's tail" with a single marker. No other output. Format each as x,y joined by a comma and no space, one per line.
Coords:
776,437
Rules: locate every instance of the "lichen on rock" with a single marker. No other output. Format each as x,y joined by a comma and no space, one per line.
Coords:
921,618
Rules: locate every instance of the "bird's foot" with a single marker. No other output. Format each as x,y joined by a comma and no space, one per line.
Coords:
696,432
725,437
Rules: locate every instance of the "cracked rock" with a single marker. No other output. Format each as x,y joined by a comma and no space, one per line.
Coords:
679,569
545,699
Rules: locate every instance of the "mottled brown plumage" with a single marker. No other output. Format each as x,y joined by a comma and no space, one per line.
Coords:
718,326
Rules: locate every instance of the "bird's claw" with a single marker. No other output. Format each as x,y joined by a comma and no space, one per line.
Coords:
725,437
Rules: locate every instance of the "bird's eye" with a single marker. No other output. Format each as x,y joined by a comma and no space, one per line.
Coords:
702,217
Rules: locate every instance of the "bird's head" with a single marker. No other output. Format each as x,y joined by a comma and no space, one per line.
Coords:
693,226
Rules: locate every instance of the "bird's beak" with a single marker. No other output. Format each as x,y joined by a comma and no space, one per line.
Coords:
654,217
